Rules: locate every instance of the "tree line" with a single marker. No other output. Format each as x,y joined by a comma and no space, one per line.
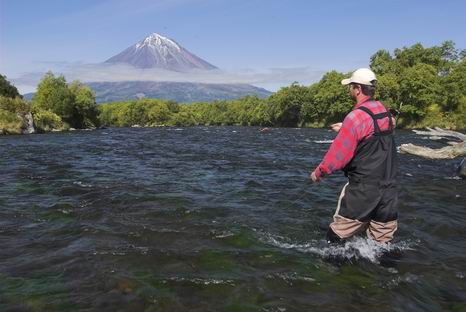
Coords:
423,86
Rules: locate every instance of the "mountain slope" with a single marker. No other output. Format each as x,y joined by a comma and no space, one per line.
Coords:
181,92
156,51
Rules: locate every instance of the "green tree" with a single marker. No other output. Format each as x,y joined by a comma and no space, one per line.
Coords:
286,104
381,62
419,88
388,90
454,87
184,118
54,95
253,111
453,95
85,107
202,113
7,89
159,112
330,100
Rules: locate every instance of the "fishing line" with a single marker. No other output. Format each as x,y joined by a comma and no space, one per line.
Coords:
303,191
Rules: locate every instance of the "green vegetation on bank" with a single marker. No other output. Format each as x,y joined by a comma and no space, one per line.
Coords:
425,86
57,105
13,115
248,111
13,109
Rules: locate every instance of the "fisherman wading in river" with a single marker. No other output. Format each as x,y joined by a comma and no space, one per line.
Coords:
365,150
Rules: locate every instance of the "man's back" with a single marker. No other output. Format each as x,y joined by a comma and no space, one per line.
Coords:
375,156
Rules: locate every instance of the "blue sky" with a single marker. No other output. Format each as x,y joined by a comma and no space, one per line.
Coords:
296,40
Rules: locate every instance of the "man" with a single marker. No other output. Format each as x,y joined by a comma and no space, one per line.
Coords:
365,150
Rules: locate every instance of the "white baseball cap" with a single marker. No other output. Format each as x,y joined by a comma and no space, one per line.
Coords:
362,76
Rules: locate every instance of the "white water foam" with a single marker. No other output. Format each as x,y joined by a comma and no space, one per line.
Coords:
291,277
202,281
81,184
407,278
355,248
323,141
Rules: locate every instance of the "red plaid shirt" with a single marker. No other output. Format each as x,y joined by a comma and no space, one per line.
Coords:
357,126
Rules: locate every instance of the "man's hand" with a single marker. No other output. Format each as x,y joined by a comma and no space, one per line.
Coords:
314,178
336,126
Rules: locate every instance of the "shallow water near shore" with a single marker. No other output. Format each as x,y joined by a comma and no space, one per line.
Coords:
215,219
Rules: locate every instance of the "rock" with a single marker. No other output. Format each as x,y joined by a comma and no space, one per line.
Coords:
30,124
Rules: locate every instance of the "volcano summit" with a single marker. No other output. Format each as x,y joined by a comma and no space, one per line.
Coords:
157,51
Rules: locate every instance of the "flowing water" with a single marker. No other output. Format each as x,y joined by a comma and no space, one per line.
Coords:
214,219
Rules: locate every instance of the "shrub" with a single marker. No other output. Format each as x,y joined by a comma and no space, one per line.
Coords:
10,122
14,105
47,121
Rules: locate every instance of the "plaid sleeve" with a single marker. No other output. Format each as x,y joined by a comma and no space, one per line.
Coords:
343,147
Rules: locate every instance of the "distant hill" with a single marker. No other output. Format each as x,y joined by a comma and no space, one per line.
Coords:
181,92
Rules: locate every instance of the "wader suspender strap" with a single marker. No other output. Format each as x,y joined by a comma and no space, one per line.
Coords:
379,116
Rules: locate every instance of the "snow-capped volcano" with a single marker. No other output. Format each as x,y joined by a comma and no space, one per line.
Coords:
157,51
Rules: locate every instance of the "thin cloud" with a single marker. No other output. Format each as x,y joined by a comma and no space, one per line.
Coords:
271,79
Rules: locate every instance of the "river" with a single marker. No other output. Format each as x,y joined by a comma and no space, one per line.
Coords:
215,219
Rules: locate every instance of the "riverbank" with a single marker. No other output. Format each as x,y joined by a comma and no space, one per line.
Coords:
21,128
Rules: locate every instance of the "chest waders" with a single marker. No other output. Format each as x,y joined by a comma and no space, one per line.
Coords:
369,199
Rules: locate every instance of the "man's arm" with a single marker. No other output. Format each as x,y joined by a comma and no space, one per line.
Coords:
343,147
